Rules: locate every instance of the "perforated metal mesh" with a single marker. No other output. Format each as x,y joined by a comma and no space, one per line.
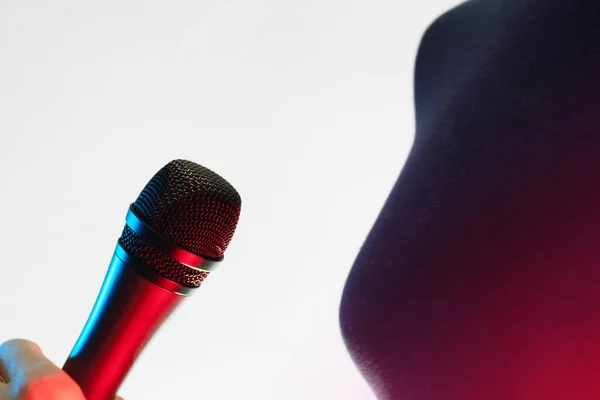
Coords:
193,207
161,263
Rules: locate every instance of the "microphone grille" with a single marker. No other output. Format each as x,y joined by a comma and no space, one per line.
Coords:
191,205
164,265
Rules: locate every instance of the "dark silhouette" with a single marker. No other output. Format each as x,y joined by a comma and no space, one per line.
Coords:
481,277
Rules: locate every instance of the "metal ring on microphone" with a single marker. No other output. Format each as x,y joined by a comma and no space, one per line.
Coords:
151,274
167,246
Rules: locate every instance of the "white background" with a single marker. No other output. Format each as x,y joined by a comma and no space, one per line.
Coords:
304,106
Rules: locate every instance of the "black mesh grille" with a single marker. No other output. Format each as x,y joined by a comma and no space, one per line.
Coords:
192,206
161,263
195,208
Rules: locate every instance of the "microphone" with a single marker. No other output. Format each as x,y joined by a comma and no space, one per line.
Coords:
176,233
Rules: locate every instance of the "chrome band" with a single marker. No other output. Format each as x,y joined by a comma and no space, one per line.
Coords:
167,246
151,274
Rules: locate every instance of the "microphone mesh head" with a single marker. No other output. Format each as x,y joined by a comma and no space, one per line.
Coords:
193,207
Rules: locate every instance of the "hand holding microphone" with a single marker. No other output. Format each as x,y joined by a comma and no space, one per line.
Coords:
26,374
176,233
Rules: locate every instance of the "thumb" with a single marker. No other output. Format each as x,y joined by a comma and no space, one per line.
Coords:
30,375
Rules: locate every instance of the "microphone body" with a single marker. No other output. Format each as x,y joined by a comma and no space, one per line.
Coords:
128,311
175,234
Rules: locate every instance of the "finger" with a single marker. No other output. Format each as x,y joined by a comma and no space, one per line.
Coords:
3,372
24,359
4,392
33,376
4,388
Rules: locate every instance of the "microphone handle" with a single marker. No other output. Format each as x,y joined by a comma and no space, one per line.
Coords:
129,309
